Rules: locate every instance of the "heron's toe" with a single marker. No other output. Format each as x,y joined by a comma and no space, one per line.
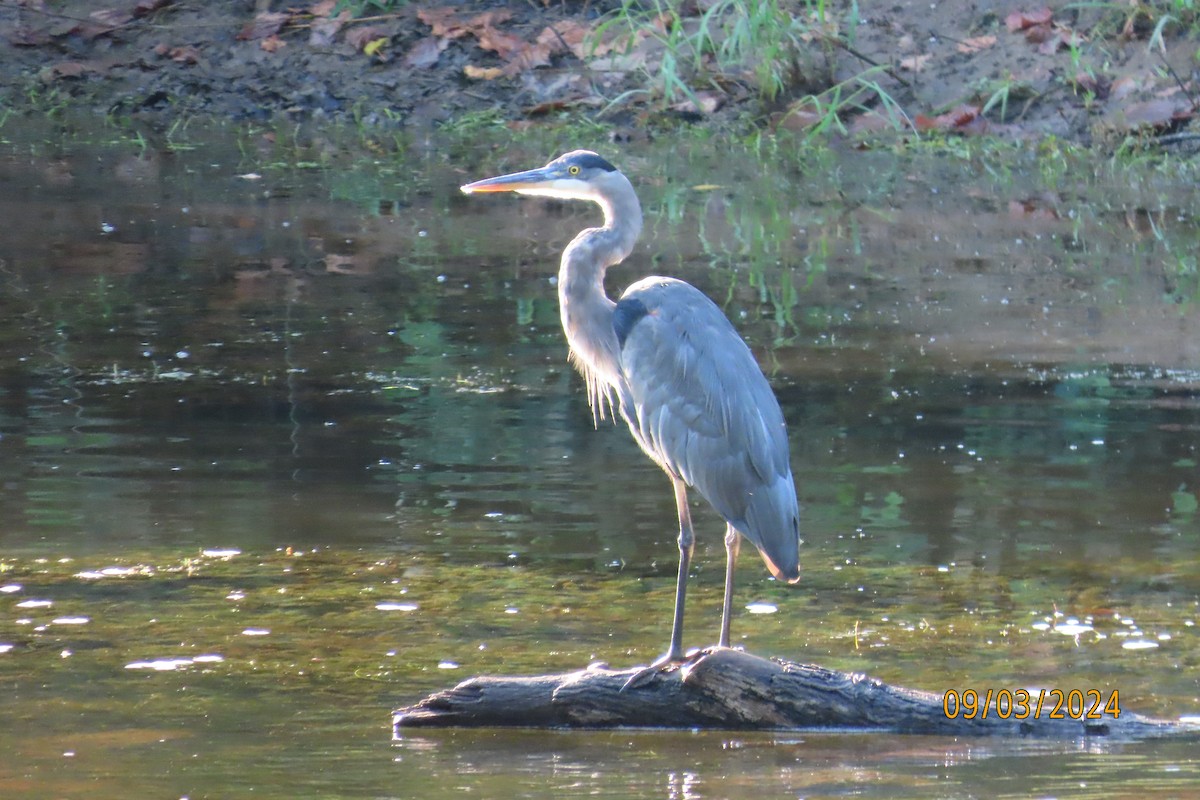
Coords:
667,663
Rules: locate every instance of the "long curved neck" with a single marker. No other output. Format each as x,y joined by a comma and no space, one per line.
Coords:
585,309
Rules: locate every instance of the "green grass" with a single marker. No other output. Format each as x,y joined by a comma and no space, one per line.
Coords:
785,54
759,45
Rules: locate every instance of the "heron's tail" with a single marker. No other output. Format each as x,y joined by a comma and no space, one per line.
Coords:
773,526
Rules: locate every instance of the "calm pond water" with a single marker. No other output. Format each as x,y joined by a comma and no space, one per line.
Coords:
288,438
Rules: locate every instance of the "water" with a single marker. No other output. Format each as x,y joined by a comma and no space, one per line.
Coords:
288,438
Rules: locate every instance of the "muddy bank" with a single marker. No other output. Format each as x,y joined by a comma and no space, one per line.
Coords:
1010,68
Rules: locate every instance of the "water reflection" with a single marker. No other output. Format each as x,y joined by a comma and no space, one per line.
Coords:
306,459
714,765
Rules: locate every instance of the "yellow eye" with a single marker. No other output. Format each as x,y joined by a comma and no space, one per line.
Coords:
574,170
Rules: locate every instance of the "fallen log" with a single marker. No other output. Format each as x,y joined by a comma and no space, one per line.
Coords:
734,690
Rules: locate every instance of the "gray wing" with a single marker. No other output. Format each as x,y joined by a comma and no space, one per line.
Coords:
698,404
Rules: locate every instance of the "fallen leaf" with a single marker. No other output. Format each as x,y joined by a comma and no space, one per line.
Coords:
263,25
444,21
1088,82
875,122
1148,114
489,19
541,109
527,57
359,38
1020,20
424,54
975,44
482,73
65,69
954,120
272,43
185,54
1038,34
914,63
802,115
104,21
1033,209
1060,36
1126,85
502,44
573,36
323,8
325,28
517,54
372,47
700,103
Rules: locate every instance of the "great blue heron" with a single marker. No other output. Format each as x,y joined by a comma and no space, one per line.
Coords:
687,385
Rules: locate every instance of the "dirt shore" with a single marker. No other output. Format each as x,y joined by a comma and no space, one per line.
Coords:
970,66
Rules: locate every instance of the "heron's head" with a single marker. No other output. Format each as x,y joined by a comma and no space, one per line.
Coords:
578,175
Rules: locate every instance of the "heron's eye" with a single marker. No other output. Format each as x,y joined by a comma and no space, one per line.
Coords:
573,169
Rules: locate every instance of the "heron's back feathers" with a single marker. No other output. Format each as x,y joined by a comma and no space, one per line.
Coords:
698,404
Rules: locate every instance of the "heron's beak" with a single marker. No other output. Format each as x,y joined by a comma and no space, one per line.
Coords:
515,182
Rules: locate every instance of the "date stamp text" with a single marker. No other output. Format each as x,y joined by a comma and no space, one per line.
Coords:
1080,704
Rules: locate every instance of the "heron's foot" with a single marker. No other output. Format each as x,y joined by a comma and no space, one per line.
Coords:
667,663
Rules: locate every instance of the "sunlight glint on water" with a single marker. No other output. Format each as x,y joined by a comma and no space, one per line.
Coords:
275,464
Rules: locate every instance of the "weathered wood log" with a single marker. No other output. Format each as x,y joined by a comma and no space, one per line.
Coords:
734,690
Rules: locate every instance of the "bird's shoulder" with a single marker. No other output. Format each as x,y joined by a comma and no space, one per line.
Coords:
673,305
680,355
655,291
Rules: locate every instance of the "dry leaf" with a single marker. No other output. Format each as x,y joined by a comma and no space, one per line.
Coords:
802,115
424,54
700,103
489,19
527,57
272,43
1148,114
953,120
502,44
482,73
65,69
325,28
323,8
914,63
573,36
1037,34
185,54
266,24
444,21
359,38
105,21
1124,86
975,44
1020,20
1090,83
875,122
1033,209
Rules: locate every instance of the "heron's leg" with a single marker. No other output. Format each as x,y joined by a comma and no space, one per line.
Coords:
687,542
733,543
